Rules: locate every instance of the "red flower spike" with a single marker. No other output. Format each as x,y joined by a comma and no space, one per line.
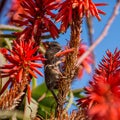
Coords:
36,18
22,59
83,7
103,93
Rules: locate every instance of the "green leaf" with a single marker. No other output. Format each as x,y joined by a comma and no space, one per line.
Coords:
47,104
46,107
30,110
78,93
39,91
2,80
34,82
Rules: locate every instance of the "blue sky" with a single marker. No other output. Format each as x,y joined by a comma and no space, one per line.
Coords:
111,41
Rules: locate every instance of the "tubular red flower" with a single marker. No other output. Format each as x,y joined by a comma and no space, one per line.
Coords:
103,93
21,58
83,7
23,61
29,93
64,52
85,65
36,17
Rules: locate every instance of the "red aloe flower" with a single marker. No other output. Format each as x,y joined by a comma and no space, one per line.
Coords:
86,64
22,61
36,17
83,7
64,52
103,98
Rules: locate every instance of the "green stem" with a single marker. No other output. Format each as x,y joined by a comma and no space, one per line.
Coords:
78,90
34,83
10,28
70,101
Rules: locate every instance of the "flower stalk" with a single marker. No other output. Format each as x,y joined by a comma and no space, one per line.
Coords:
71,59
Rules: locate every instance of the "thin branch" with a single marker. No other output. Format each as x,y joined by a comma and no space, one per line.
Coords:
7,36
13,36
10,28
78,90
46,36
90,36
103,34
42,97
2,5
70,101
8,42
